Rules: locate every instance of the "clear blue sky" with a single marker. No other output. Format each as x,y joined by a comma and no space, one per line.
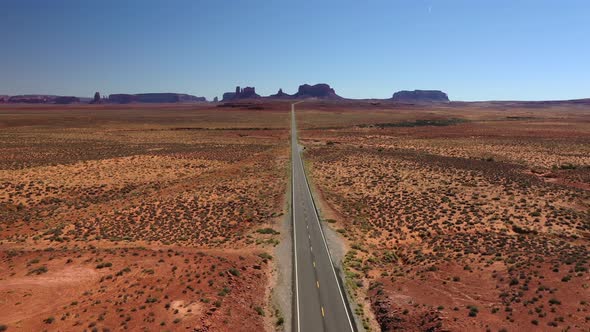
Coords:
474,50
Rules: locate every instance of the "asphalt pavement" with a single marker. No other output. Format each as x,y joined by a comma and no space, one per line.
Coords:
320,303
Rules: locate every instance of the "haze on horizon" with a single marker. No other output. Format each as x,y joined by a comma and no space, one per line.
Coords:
500,50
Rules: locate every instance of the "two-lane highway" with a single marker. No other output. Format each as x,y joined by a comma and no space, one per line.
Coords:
319,300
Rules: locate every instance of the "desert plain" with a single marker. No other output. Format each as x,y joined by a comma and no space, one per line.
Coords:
455,217
139,218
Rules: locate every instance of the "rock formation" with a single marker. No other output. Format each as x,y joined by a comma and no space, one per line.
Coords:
154,98
66,100
42,99
31,99
96,99
322,91
248,93
245,93
420,96
228,96
215,100
280,95
122,98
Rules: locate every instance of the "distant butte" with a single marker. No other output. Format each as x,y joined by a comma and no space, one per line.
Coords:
318,91
322,91
121,98
420,96
41,99
245,93
280,95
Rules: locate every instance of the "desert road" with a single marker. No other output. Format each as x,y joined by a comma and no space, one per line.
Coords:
320,303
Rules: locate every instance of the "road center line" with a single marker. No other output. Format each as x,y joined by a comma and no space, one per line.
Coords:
326,246
294,226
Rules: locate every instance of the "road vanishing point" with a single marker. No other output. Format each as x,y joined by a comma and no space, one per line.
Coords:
320,301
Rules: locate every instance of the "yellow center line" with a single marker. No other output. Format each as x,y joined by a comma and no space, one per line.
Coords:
313,263
323,313
318,284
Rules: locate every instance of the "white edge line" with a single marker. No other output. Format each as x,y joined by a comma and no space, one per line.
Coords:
327,250
293,145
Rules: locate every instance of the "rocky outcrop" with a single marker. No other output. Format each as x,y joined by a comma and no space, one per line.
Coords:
121,98
280,95
392,316
420,96
228,96
248,93
96,99
42,99
66,100
245,93
31,99
168,98
322,91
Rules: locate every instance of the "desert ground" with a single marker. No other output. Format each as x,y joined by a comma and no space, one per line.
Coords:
458,217
140,217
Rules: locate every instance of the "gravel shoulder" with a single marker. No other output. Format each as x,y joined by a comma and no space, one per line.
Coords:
282,294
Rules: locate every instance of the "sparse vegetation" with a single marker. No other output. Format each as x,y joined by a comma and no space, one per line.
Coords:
265,256
103,265
421,123
267,231
259,310
49,320
39,270
115,205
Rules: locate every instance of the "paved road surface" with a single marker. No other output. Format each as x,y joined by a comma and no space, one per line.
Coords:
319,300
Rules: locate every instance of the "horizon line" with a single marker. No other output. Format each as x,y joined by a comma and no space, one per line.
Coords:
210,100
